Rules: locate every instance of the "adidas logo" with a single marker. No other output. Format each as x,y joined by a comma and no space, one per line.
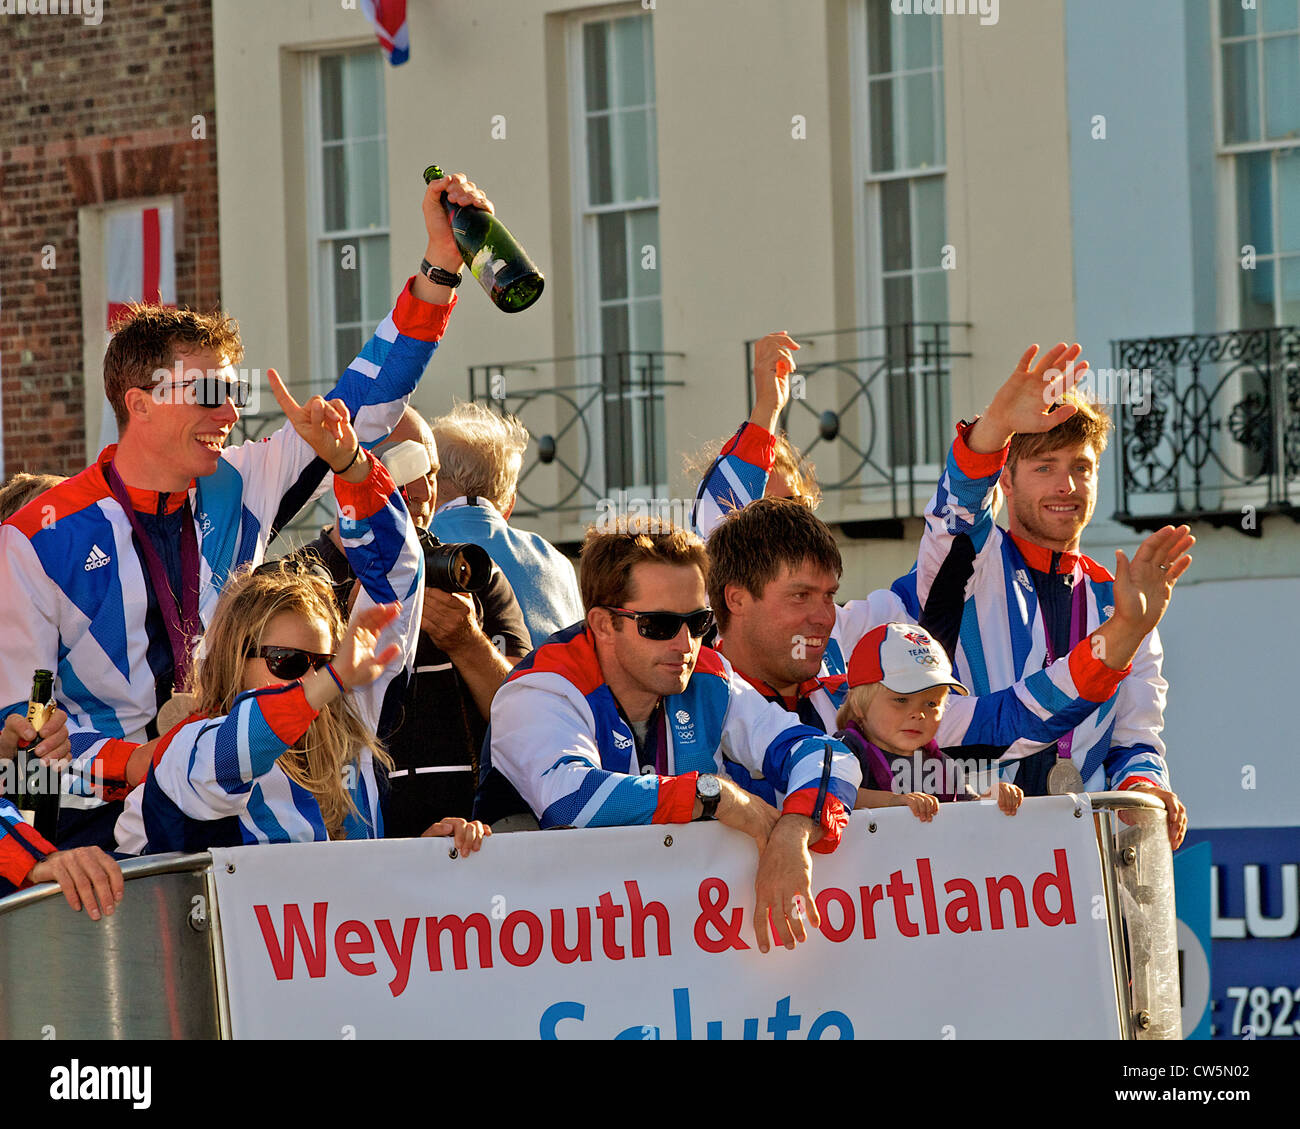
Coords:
621,742
97,558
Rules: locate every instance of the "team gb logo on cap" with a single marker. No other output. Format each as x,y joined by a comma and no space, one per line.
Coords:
918,638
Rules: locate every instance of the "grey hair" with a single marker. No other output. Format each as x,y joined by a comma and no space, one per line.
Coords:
481,451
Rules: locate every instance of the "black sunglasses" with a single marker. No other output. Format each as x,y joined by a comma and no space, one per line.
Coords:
289,662
661,626
212,391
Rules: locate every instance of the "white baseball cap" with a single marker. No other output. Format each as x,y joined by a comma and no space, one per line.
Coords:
903,657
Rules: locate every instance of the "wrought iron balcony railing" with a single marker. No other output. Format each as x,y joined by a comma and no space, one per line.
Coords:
1218,436
597,422
870,407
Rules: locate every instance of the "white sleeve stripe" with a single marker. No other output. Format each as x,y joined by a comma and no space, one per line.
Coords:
593,805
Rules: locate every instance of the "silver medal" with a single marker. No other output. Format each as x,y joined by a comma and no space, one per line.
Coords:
1064,778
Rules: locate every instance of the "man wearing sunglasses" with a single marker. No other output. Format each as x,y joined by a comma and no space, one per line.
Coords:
626,719
109,578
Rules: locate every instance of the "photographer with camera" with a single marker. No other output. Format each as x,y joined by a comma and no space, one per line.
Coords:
472,633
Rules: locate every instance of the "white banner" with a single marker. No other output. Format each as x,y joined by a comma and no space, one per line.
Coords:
977,925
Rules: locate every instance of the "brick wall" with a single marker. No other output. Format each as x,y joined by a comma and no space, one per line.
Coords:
89,115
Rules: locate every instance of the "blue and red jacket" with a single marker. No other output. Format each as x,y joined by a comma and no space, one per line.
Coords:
558,735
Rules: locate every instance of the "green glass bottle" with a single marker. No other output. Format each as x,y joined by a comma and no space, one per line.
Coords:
493,255
38,785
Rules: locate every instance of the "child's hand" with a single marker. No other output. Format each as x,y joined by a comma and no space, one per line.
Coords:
1009,797
923,807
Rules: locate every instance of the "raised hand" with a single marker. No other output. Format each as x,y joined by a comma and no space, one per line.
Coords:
356,663
325,425
1144,585
1022,403
442,250
773,364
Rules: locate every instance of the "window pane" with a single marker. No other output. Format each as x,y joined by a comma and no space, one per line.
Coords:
335,184
647,329
600,188
612,251
918,43
347,282
918,101
932,295
376,298
347,344
595,66
1288,204
1234,19
879,29
895,226
1255,202
882,125
363,103
634,85
613,332
645,233
1240,93
1289,314
1280,15
940,151
1282,86
367,184
1257,296
929,221
331,97
635,144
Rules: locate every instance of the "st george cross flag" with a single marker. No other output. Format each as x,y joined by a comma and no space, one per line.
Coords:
389,19
139,266
139,258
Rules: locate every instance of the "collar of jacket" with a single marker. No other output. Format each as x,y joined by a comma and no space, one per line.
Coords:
157,502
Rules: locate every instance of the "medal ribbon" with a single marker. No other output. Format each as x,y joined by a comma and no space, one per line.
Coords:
181,617
1078,619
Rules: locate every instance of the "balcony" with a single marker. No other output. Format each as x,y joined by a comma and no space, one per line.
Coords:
871,408
597,423
1218,438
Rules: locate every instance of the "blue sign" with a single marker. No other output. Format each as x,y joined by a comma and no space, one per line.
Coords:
1254,896
1192,897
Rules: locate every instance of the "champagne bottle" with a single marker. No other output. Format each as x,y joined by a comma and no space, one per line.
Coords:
38,785
493,255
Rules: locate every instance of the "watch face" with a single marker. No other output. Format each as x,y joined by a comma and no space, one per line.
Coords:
707,786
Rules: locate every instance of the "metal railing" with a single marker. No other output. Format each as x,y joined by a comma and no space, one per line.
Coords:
1137,867
1219,429
154,969
875,399
596,421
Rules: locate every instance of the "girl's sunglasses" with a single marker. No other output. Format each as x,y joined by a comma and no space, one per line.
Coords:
289,662
661,626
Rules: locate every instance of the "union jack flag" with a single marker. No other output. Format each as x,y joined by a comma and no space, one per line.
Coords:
389,20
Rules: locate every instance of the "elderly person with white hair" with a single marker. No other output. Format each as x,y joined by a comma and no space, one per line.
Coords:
481,454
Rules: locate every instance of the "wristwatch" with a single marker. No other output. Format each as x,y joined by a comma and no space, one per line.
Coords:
708,790
438,276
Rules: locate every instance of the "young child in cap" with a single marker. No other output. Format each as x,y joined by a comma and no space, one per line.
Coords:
899,680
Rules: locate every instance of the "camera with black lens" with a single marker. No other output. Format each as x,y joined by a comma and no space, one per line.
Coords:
461,567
